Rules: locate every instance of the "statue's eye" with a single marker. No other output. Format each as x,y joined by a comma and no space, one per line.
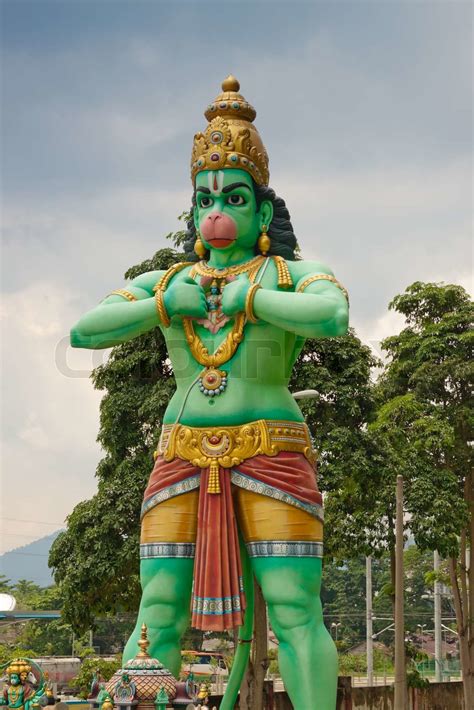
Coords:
236,200
206,202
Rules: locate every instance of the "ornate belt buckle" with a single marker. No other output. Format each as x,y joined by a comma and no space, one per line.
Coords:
215,444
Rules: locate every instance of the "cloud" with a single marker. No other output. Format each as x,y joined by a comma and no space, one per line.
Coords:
85,244
50,420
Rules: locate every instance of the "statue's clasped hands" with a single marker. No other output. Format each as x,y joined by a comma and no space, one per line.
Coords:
235,294
185,298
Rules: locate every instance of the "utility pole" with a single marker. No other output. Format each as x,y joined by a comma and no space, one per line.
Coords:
400,700
437,623
369,628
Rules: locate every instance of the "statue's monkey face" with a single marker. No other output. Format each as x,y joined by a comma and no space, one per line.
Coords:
226,210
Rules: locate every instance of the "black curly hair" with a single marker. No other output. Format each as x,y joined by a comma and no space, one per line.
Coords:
283,240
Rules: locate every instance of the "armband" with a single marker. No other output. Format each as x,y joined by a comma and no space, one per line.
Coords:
322,277
124,293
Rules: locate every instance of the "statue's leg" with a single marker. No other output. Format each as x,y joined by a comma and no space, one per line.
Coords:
284,544
307,655
166,571
164,608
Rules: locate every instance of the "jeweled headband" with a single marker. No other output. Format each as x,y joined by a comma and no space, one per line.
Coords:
230,140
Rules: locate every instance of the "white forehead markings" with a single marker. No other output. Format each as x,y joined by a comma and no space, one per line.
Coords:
215,180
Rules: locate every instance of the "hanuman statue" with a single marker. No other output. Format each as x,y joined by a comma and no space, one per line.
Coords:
233,492
19,693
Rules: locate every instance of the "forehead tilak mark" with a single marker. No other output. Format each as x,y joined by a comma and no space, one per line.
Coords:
215,180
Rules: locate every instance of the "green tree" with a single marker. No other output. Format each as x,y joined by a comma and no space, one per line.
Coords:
421,427
343,599
5,584
106,668
42,637
27,594
45,636
339,369
9,651
344,595
431,371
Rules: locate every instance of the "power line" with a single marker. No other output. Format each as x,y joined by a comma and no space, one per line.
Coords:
14,534
37,522
25,554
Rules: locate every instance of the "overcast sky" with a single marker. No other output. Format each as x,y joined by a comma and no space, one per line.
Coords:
365,110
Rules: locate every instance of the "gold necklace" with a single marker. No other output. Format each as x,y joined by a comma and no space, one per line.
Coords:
14,693
251,267
212,381
223,352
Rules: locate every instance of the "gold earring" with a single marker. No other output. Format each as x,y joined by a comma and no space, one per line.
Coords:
264,240
199,247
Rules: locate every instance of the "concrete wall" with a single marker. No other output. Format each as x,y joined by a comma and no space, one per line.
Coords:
438,696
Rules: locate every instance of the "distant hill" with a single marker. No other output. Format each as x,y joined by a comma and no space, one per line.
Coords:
29,562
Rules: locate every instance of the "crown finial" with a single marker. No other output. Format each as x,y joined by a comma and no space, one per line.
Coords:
143,643
230,84
230,139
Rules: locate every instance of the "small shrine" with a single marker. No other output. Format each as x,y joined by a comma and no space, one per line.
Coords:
142,684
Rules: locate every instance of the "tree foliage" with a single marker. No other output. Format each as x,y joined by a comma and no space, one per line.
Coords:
339,370
35,637
431,363
420,427
105,667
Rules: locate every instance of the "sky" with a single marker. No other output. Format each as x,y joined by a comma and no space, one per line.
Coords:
364,108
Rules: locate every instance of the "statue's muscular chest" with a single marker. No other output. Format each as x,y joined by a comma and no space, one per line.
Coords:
262,348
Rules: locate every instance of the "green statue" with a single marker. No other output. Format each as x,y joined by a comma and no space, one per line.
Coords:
233,492
19,693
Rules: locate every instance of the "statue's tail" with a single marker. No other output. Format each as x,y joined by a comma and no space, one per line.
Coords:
242,652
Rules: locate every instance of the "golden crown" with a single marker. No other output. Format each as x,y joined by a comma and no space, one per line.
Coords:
230,140
19,666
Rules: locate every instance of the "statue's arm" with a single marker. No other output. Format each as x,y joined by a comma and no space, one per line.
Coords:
321,309
120,316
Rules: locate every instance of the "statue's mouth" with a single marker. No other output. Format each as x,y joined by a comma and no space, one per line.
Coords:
221,242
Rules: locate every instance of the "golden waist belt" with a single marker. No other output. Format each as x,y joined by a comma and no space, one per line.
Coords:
230,445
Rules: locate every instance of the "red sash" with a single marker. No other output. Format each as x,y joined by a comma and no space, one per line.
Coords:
218,599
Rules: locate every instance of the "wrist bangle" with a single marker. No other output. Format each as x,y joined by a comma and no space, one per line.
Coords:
249,299
160,307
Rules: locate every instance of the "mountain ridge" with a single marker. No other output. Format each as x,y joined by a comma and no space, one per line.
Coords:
29,561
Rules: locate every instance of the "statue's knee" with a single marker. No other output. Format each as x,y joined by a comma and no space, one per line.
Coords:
164,615
165,604
292,605
288,616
